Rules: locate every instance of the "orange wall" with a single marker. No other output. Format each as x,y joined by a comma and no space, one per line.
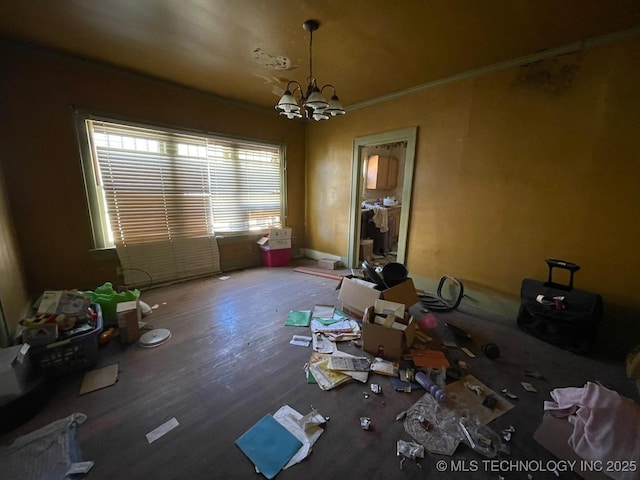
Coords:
42,167
511,168
13,294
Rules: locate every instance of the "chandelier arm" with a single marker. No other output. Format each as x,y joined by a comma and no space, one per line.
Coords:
298,87
328,85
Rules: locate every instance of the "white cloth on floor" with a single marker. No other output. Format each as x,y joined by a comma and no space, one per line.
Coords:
606,426
381,218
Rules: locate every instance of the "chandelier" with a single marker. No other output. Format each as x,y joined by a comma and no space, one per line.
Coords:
309,103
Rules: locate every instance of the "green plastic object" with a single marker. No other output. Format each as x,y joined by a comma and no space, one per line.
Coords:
108,300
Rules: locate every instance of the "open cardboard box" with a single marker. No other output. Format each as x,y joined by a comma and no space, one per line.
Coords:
358,295
359,298
387,341
276,239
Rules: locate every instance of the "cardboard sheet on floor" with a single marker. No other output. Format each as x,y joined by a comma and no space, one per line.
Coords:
99,378
462,399
268,445
429,358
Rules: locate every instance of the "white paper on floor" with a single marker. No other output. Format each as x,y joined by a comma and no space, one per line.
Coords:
163,429
306,428
300,340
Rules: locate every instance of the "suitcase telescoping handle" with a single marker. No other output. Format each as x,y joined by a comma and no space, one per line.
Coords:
554,263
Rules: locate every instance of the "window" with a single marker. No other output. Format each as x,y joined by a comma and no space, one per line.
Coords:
151,188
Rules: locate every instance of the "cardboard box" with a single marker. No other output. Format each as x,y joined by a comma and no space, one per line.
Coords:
357,295
328,264
366,250
129,316
280,233
277,239
387,341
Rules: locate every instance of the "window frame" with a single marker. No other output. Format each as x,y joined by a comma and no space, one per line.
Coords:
95,196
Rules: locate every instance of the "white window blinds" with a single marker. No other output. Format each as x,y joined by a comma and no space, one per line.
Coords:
164,195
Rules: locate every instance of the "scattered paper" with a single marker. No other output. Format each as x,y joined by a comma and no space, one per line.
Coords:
322,344
79,467
323,311
300,340
305,428
19,358
324,376
528,387
468,352
356,364
224,277
298,318
385,367
163,429
337,327
356,375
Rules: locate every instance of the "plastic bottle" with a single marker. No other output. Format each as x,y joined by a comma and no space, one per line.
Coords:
434,389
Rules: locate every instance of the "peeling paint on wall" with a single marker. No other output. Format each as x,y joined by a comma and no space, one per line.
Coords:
275,62
551,77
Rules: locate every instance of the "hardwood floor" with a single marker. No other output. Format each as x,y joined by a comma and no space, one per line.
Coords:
229,362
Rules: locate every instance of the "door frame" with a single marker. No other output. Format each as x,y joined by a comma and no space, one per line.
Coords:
408,135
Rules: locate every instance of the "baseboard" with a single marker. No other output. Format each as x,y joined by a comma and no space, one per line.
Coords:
473,299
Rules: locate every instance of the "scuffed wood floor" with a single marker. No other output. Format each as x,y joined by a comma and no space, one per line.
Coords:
229,362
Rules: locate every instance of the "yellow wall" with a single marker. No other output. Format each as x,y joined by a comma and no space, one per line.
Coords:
13,294
511,168
42,168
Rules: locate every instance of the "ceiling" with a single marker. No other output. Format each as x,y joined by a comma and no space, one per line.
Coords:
247,50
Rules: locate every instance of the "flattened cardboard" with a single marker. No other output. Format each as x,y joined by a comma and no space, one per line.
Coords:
99,378
464,400
386,342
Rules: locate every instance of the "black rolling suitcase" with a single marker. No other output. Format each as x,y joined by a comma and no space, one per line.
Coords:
559,314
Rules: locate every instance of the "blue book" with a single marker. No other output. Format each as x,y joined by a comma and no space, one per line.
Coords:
269,445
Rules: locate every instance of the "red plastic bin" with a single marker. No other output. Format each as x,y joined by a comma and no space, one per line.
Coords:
276,258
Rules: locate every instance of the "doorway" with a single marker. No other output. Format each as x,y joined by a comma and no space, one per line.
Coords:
368,200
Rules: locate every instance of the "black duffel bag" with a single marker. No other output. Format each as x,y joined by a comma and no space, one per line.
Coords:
560,314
